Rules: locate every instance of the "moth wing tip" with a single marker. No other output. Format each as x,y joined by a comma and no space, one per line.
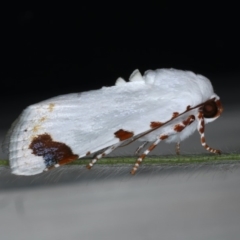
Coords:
27,170
22,162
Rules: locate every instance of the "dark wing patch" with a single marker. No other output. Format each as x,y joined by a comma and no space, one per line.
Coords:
51,151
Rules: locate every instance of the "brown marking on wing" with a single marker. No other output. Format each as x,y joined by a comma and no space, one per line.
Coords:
123,134
175,114
88,153
156,124
51,107
51,151
163,137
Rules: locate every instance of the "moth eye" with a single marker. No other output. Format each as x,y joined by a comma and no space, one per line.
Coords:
210,109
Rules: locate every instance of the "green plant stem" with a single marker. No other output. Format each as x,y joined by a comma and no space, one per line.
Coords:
166,160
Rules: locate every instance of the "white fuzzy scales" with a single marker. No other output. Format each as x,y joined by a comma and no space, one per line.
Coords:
87,122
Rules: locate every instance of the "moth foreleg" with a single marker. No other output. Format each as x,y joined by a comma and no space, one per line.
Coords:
175,129
101,155
201,127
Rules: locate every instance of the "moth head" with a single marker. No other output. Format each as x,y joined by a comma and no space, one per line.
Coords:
211,109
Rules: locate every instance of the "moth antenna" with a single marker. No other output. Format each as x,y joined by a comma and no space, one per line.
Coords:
178,148
201,127
177,128
101,155
140,147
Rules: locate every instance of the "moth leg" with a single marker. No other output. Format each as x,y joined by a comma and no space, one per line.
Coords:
176,128
178,148
201,127
101,155
140,147
145,153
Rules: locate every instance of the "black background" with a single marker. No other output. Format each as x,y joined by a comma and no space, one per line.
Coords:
52,50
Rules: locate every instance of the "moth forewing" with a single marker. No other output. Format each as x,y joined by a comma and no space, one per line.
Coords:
165,104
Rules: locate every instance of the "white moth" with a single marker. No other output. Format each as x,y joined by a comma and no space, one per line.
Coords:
165,104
